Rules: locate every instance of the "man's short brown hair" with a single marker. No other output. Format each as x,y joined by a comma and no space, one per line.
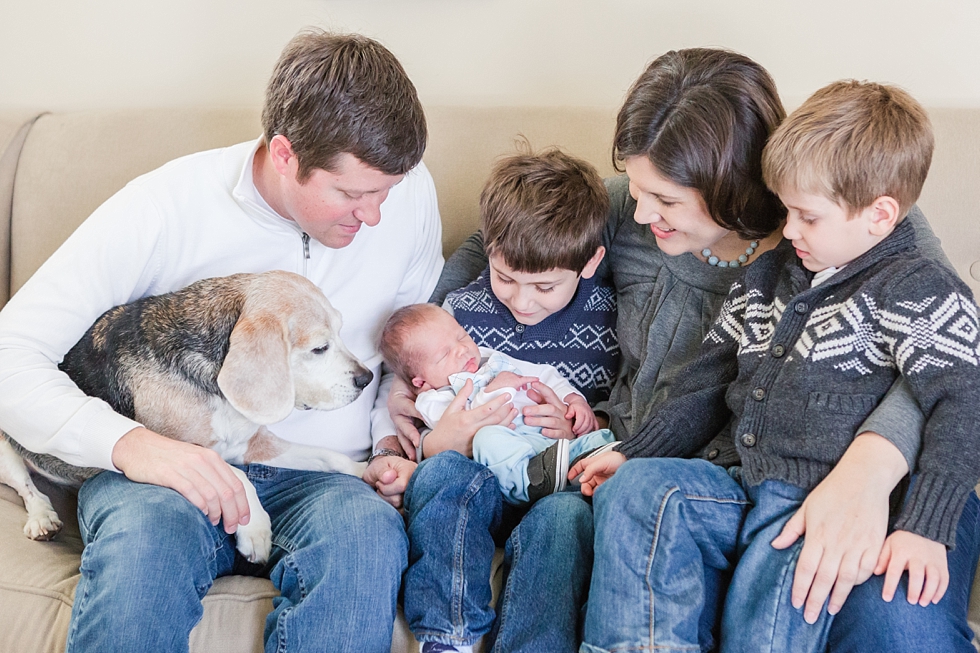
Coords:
543,211
702,117
395,337
853,142
344,93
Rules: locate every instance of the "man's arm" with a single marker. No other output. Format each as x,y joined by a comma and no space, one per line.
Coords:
108,261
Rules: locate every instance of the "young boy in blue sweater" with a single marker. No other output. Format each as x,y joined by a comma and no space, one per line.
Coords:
539,300
538,303
804,348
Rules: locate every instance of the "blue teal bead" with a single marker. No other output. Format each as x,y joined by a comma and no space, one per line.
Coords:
743,258
712,260
706,252
733,264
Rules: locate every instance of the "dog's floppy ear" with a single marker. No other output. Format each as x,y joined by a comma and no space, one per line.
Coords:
256,377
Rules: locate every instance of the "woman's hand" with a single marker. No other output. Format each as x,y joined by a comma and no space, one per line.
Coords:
407,420
845,519
549,413
595,471
457,426
583,419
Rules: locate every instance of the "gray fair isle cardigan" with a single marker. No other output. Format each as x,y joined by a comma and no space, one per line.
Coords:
791,372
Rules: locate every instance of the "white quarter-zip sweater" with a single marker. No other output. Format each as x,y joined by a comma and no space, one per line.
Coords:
196,217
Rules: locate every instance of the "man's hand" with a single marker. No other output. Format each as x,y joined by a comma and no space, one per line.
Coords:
389,476
197,473
457,426
583,419
925,561
595,471
509,380
401,407
845,519
549,414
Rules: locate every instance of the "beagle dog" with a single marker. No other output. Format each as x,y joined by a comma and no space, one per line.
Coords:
212,365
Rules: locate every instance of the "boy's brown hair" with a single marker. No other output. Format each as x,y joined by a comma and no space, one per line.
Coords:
853,142
398,355
344,93
543,211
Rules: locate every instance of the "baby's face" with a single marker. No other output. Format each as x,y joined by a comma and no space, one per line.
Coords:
444,348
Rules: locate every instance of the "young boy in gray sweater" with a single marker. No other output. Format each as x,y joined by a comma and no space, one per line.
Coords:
805,347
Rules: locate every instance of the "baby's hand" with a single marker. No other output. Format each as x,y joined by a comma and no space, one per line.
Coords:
583,419
925,561
509,380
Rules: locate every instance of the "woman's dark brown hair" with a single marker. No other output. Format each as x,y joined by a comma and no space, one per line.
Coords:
702,116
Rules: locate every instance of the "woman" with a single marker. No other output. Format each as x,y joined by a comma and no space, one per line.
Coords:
691,134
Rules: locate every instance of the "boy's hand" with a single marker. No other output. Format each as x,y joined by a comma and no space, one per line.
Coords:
401,408
549,414
593,472
579,411
457,426
845,519
925,561
509,380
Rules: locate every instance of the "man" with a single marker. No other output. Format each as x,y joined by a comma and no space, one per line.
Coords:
343,136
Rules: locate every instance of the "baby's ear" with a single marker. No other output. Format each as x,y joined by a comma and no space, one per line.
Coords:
419,384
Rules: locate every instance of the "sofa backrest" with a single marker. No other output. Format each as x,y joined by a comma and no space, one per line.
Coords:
55,169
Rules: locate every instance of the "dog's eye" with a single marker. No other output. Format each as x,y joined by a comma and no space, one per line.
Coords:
320,350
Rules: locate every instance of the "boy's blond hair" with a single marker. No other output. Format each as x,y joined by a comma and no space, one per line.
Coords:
400,357
543,211
853,142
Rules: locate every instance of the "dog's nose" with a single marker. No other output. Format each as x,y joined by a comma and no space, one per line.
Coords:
363,379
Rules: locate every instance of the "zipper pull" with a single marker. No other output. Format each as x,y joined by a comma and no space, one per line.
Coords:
306,246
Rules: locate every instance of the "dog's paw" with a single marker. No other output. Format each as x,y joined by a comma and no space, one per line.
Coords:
254,539
42,525
356,469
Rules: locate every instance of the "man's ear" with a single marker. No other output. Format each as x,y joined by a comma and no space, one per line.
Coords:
283,158
593,263
883,215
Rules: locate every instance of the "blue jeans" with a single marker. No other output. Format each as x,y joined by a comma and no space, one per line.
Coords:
150,557
668,535
456,517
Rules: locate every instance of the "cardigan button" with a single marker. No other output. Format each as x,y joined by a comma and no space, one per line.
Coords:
713,454
778,351
519,328
759,394
801,308
748,439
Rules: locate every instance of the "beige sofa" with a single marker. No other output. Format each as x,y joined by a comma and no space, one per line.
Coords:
56,168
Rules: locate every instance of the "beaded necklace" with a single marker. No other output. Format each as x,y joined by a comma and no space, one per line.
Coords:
741,260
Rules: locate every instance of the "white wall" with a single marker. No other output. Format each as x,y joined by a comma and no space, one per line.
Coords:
67,54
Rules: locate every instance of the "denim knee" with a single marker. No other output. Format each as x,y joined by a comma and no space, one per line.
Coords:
451,474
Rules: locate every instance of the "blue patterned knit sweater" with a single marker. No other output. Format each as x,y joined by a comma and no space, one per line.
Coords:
579,340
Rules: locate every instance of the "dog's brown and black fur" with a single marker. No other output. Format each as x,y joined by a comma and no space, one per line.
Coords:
210,364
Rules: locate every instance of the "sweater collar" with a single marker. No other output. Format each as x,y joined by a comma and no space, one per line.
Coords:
246,194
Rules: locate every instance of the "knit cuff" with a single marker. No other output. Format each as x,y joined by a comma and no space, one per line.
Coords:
933,507
644,443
